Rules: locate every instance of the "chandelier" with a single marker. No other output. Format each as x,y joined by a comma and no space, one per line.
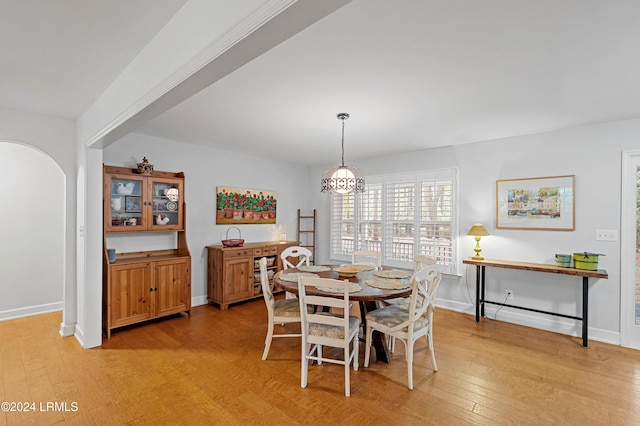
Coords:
343,179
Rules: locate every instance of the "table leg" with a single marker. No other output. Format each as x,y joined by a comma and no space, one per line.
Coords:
377,339
585,310
482,291
477,293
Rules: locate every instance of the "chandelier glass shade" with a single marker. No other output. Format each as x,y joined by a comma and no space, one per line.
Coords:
342,179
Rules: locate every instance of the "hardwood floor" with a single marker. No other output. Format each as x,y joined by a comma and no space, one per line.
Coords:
207,369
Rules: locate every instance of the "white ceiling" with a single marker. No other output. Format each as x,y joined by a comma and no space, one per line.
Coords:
57,57
413,74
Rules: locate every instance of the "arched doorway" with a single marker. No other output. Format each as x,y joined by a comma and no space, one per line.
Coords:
32,232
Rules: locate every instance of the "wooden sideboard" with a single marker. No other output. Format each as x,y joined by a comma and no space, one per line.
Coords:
233,274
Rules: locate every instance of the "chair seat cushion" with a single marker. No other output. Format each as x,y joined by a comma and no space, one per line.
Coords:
394,315
403,301
286,308
332,331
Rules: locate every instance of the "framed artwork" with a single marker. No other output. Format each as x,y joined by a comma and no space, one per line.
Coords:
250,206
132,204
544,203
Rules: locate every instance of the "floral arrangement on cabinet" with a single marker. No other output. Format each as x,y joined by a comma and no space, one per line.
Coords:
236,205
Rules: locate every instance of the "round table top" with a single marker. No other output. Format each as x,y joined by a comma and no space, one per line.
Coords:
367,294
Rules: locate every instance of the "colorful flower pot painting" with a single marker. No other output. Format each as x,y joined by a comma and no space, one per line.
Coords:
236,205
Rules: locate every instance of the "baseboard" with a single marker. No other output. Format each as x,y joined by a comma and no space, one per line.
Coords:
79,335
67,330
198,300
540,321
30,311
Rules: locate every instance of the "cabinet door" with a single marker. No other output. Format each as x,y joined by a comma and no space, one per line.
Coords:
237,279
172,286
165,201
123,203
129,294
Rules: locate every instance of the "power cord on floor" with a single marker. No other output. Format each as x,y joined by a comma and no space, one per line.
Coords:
495,316
466,276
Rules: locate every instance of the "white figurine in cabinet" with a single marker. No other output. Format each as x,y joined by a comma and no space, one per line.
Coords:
125,189
116,203
162,219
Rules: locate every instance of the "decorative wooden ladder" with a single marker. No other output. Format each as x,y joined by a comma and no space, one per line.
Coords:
307,232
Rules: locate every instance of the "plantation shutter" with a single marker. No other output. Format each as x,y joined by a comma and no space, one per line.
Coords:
342,225
400,220
369,214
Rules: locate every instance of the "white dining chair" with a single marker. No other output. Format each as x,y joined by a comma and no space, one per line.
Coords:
301,254
321,328
422,260
419,261
366,257
283,311
411,322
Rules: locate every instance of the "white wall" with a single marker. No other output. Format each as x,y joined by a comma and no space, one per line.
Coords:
53,142
205,169
591,153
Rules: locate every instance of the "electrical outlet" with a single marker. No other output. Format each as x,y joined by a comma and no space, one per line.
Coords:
509,294
606,235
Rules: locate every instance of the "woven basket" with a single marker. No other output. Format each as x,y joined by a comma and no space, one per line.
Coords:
238,242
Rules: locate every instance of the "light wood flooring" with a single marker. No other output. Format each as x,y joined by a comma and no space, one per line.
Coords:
207,369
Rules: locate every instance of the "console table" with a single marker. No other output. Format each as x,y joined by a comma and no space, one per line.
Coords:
535,267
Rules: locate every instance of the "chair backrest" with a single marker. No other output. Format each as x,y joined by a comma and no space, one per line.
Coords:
425,284
421,260
266,288
371,258
318,317
302,253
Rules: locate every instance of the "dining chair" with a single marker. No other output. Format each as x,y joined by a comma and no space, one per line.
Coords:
410,322
419,261
366,257
422,260
302,256
321,328
283,311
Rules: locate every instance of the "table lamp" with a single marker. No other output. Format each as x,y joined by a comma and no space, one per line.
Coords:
477,231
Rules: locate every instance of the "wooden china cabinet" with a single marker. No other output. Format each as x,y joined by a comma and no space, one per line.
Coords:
139,286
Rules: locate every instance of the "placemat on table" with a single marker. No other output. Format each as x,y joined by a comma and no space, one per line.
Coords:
293,276
386,284
353,288
313,268
392,273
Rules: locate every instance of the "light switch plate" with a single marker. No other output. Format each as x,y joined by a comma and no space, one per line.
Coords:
606,235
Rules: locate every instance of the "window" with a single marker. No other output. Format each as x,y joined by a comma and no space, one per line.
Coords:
399,215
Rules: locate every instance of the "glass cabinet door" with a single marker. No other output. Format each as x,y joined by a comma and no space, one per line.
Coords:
125,201
166,202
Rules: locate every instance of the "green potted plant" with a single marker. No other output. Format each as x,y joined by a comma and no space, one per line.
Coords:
227,207
247,205
220,198
271,206
237,206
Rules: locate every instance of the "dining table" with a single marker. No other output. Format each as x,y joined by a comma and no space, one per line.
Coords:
368,294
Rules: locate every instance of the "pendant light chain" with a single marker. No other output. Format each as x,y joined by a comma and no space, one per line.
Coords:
343,118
